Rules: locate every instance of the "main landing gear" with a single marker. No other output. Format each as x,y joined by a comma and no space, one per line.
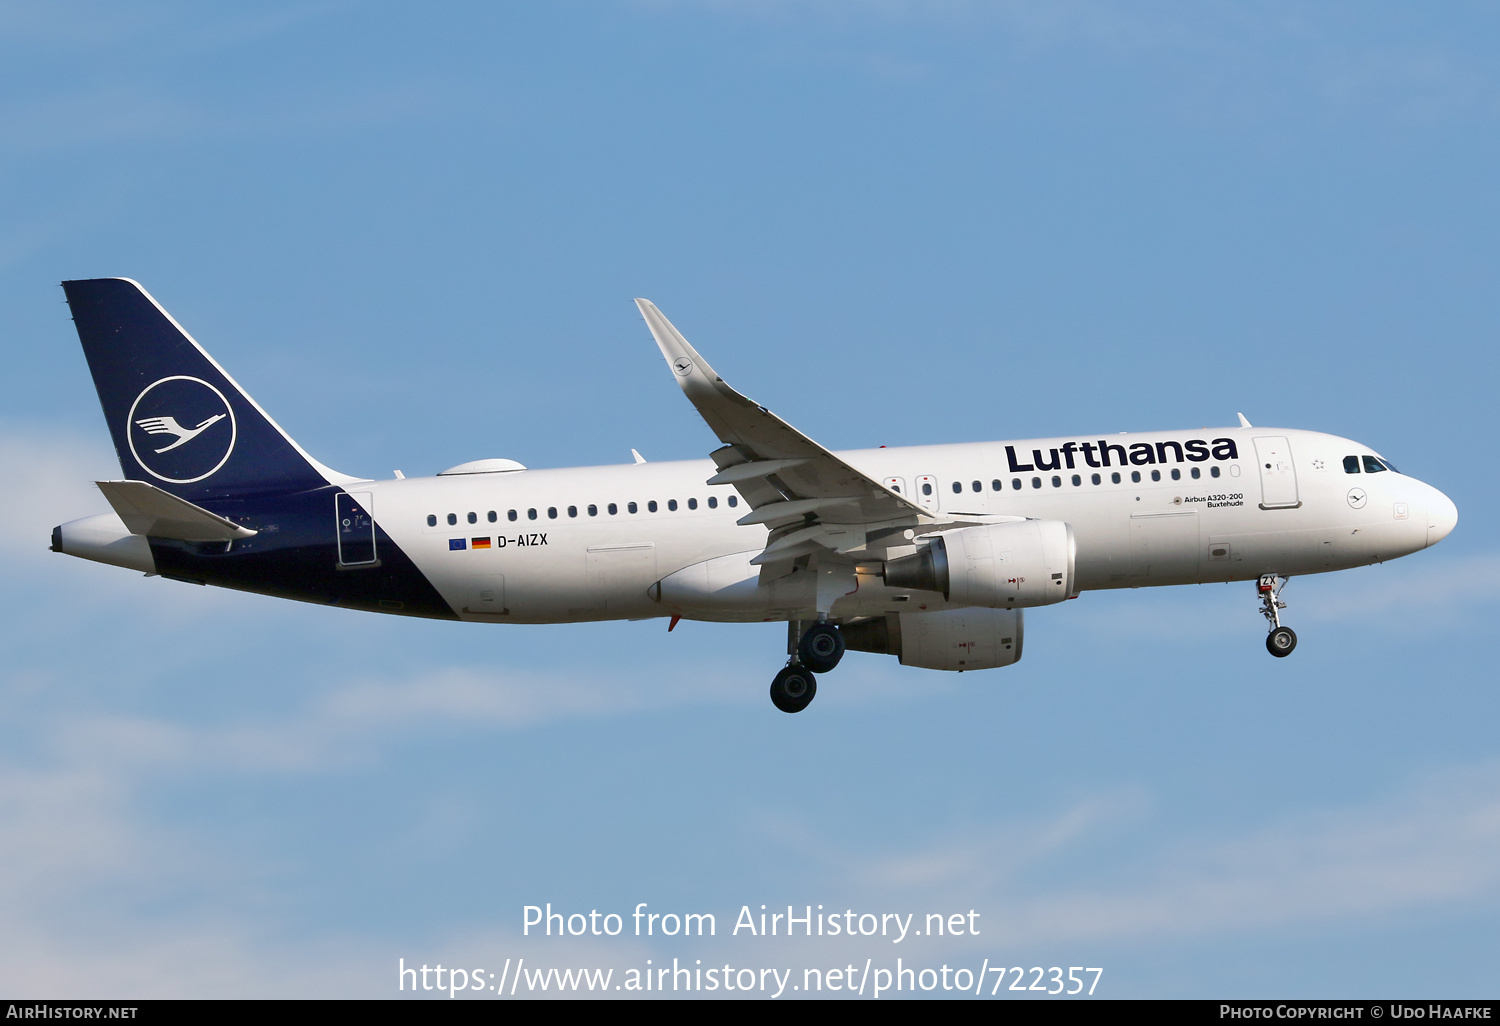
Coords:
1281,640
816,650
793,689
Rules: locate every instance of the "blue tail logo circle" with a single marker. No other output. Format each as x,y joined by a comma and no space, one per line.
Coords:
181,429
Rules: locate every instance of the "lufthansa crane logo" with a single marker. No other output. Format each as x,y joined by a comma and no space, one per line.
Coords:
683,366
181,429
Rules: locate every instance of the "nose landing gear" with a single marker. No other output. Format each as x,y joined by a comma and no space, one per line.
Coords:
1281,640
816,650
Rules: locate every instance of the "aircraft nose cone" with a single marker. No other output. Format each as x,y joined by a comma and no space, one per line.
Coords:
1442,517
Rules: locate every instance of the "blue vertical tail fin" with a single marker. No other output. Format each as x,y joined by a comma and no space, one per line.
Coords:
177,419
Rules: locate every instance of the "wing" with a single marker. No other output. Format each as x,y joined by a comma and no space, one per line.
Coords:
810,499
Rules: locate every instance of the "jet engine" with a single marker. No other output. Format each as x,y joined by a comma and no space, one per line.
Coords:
942,639
1002,566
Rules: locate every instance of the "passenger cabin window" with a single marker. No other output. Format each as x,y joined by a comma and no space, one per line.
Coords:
995,485
1351,464
1373,466
1135,476
593,510
1036,482
531,513
1156,475
734,500
1095,478
692,504
510,514
713,502
551,512
452,519
473,518
632,507
1056,481
1077,480
1176,474
672,504
957,487
1213,471
432,520
1115,477
1015,483
978,487
491,516
572,511
1197,473
651,505
613,509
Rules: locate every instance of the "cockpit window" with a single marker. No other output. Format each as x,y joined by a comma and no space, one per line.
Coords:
1373,466
1389,466
1351,464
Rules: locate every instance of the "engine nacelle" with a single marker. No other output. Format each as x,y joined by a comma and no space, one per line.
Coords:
1002,566
944,639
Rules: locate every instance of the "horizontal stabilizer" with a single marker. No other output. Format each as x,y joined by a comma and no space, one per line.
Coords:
151,511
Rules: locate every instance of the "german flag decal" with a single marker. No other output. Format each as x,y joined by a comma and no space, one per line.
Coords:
479,543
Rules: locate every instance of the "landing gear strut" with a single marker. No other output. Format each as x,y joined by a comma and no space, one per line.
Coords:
1281,640
815,650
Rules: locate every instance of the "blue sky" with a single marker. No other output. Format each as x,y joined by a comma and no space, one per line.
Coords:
414,238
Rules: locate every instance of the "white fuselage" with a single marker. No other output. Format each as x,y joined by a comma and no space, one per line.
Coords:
1284,504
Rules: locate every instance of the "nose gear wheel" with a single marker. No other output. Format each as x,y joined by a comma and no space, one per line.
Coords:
1279,640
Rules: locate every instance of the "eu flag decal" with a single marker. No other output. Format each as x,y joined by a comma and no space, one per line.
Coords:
455,544
479,543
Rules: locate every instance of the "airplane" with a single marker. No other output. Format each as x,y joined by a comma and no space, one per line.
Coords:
928,553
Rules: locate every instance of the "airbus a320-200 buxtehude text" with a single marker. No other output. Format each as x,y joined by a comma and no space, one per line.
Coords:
928,553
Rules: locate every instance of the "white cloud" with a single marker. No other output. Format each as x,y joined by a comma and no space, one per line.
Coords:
352,722
1434,845
49,477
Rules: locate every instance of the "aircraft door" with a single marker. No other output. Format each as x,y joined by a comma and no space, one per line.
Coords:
895,484
355,527
1278,478
927,492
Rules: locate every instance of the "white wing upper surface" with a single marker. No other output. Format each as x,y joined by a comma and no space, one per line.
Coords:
809,497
